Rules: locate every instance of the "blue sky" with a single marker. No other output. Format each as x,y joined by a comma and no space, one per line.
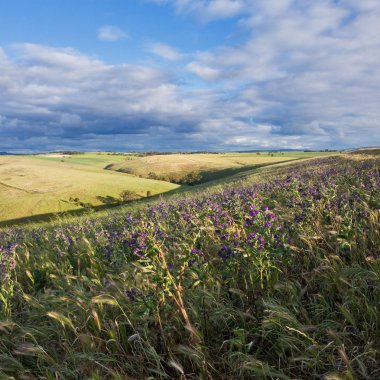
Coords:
189,74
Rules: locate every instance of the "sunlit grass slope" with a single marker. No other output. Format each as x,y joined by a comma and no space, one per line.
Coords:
32,185
210,166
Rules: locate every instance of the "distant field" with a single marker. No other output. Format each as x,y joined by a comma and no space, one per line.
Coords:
33,185
92,159
177,167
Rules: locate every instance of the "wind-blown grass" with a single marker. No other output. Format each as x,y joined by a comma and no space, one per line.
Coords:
273,280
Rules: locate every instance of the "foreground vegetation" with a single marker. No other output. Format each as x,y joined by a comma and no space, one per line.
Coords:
277,280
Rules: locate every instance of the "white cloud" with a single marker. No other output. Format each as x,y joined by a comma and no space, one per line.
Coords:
111,33
203,71
304,68
207,10
164,51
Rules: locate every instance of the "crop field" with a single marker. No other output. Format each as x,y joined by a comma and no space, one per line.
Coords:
271,279
37,186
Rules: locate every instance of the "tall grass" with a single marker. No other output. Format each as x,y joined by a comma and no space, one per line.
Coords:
278,280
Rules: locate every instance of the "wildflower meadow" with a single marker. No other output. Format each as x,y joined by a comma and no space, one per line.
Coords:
270,279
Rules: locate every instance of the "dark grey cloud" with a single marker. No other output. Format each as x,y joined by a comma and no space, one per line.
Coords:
52,92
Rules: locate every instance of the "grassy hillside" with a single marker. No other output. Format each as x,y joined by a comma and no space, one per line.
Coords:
272,280
33,185
179,167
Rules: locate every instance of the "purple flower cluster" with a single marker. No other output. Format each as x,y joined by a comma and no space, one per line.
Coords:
7,263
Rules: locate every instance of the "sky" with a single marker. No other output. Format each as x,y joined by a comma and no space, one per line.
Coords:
189,75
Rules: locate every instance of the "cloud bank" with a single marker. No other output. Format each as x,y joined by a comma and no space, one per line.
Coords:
306,76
